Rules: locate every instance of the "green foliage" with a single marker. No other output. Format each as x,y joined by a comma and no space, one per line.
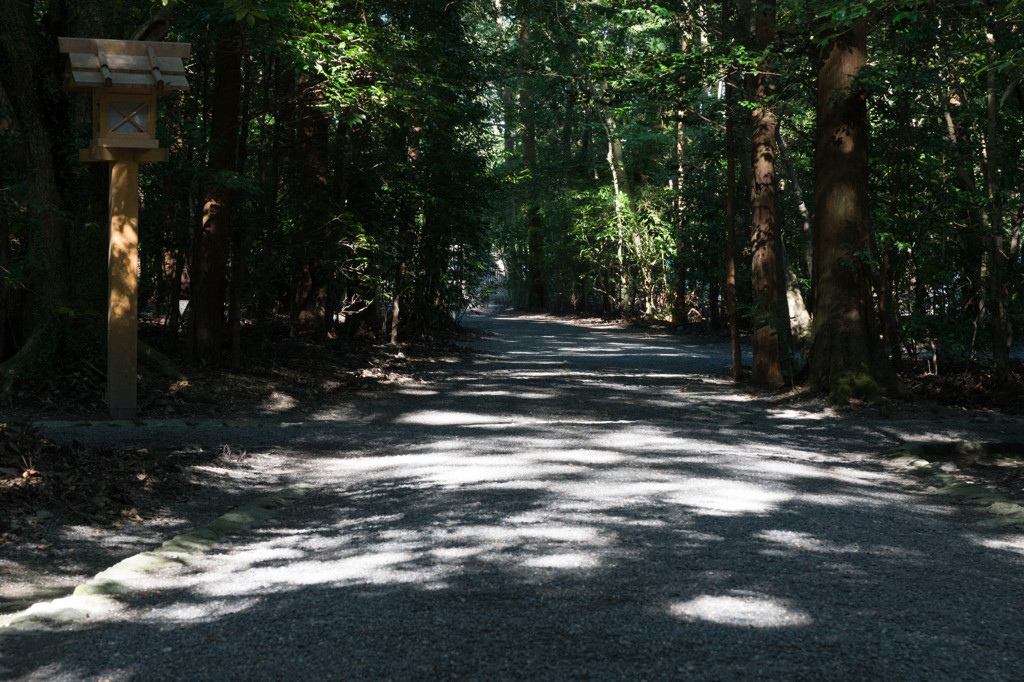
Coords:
246,10
392,134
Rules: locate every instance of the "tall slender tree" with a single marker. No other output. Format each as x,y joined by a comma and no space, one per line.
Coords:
527,115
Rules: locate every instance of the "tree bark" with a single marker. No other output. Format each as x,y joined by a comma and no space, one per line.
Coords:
770,325
846,359
23,58
157,26
213,241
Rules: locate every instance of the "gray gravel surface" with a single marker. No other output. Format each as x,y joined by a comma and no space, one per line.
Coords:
571,502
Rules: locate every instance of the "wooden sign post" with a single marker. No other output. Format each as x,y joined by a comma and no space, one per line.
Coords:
124,78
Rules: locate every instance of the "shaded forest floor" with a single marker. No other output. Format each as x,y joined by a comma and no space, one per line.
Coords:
47,486
289,380
289,375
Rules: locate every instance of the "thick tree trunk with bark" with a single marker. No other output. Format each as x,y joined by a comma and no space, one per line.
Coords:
846,359
771,324
209,281
23,58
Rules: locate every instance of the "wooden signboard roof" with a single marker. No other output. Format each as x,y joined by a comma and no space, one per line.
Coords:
125,65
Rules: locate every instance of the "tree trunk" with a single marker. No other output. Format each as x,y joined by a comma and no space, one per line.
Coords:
5,259
730,210
887,306
240,241
770,325
997,258
625,292
213,242
313,177
406,236
801,205
278,89
679,307
799,317
534,226
680,311
23,59
846,361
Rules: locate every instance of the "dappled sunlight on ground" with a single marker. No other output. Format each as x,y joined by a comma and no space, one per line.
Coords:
802,415
592,505
805,542
742,611
445,418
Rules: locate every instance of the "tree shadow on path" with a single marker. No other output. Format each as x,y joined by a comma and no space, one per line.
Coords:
561,509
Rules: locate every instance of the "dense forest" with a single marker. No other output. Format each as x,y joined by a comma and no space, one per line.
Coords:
840,180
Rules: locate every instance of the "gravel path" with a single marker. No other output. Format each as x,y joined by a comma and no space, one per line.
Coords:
572,502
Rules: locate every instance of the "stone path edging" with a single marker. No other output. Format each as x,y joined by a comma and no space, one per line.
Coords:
100,594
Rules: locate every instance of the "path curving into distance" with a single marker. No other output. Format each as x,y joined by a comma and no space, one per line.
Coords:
571,502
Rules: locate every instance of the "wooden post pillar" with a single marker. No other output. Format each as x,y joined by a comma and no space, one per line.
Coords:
125,77
122,282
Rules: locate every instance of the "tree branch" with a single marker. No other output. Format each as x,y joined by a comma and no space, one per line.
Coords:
158,25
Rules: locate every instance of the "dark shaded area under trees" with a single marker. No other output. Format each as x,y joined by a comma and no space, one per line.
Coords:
357,175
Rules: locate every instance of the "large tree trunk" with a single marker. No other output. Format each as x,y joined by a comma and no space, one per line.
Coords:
213,241
846,359
771,326
23,58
